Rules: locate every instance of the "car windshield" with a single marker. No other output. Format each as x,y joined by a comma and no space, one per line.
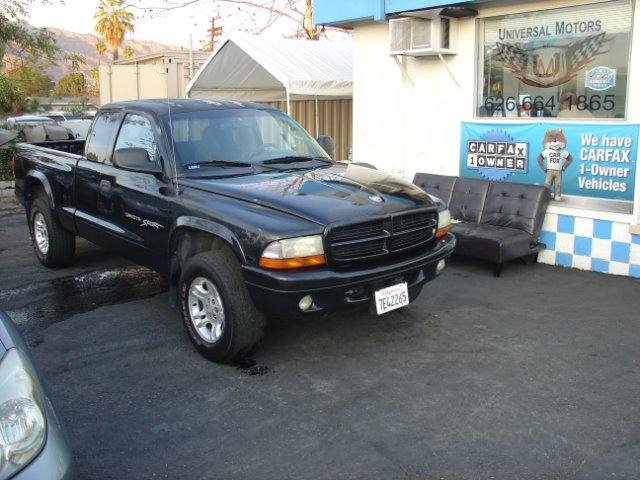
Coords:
216,139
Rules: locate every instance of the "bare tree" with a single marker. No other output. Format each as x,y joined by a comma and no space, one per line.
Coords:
298,12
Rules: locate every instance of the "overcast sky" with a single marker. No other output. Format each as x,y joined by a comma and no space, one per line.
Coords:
171,28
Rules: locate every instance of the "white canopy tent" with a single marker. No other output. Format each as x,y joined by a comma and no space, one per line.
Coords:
268,70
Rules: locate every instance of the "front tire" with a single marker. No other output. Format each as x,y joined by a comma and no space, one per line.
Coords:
220,318
54,246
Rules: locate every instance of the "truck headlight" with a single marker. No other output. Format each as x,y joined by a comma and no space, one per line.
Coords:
22,420
444,217
293,253
444,220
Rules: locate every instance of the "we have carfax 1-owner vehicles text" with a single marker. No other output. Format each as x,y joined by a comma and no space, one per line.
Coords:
240,208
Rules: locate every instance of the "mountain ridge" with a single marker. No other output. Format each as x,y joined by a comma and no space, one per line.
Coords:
85,45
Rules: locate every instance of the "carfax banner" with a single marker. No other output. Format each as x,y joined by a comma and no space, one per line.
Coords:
587,160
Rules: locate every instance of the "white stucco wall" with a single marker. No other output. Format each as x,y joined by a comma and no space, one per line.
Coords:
407,111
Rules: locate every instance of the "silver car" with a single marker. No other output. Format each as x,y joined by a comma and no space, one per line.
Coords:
32,441
28,120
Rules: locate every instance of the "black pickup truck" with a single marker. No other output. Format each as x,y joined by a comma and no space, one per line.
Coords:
240,208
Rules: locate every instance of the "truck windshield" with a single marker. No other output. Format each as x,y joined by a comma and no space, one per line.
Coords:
243,135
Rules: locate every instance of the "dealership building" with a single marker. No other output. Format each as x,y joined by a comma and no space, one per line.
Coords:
493,89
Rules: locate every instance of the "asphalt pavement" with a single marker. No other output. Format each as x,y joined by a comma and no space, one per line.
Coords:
532,375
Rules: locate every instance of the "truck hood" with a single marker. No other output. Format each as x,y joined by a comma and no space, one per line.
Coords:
325,195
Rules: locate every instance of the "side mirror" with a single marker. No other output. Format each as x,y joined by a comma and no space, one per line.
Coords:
135,160
327,144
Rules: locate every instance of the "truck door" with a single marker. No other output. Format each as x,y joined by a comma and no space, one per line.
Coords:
90,206
132,210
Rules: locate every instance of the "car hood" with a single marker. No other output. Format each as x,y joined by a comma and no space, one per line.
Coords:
323,195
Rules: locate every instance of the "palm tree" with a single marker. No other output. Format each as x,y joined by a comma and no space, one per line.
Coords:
127,51
94,88
113,22
101,47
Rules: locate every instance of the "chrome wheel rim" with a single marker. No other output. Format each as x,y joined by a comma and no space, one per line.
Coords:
40,233
206,311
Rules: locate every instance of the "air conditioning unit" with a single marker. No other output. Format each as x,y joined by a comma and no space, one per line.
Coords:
416,36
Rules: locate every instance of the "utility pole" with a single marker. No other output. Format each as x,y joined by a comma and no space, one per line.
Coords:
213,33
312,32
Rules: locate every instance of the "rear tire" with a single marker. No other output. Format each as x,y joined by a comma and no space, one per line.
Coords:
54,246
220,317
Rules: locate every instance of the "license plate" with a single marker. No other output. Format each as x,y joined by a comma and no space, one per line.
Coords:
392,297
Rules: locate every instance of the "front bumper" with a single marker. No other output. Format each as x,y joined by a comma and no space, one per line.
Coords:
279,292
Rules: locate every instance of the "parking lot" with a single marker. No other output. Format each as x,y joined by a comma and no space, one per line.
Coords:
533,375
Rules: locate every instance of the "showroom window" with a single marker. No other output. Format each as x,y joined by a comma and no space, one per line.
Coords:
568,63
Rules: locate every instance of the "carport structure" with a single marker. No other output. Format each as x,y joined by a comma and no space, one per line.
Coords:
312,81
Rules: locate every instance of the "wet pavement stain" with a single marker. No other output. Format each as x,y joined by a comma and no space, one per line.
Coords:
250,367
47,302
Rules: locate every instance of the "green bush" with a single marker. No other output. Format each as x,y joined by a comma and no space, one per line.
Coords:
73,84
11,98
5,163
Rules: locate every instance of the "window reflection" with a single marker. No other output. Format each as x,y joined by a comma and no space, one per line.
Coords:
137,132
566,62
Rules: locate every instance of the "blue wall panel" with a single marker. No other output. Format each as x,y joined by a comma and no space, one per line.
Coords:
340,11
327,12
394,6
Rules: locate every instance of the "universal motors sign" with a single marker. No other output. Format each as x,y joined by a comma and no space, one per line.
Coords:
532,61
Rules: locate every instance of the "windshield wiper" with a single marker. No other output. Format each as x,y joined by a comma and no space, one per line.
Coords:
294,159
216,163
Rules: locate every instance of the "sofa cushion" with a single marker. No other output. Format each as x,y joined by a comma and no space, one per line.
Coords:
490,242
516,205
440,186
468,198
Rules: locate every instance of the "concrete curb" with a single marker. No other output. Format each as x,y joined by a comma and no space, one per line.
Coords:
7,189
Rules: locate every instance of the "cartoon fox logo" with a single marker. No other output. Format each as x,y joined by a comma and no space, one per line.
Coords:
554,160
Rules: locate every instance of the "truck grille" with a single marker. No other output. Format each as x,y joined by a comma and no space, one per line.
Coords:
383,236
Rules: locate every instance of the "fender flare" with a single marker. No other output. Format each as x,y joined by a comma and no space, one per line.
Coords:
208,226
199,225
42,179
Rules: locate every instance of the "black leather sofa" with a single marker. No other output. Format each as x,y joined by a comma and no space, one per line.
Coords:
493,221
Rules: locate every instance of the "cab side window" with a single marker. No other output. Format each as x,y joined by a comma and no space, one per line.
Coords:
100,139
137,132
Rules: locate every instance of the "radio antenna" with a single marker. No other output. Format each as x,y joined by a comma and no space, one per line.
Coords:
171,141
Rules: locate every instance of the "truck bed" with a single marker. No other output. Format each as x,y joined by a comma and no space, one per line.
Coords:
75,147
